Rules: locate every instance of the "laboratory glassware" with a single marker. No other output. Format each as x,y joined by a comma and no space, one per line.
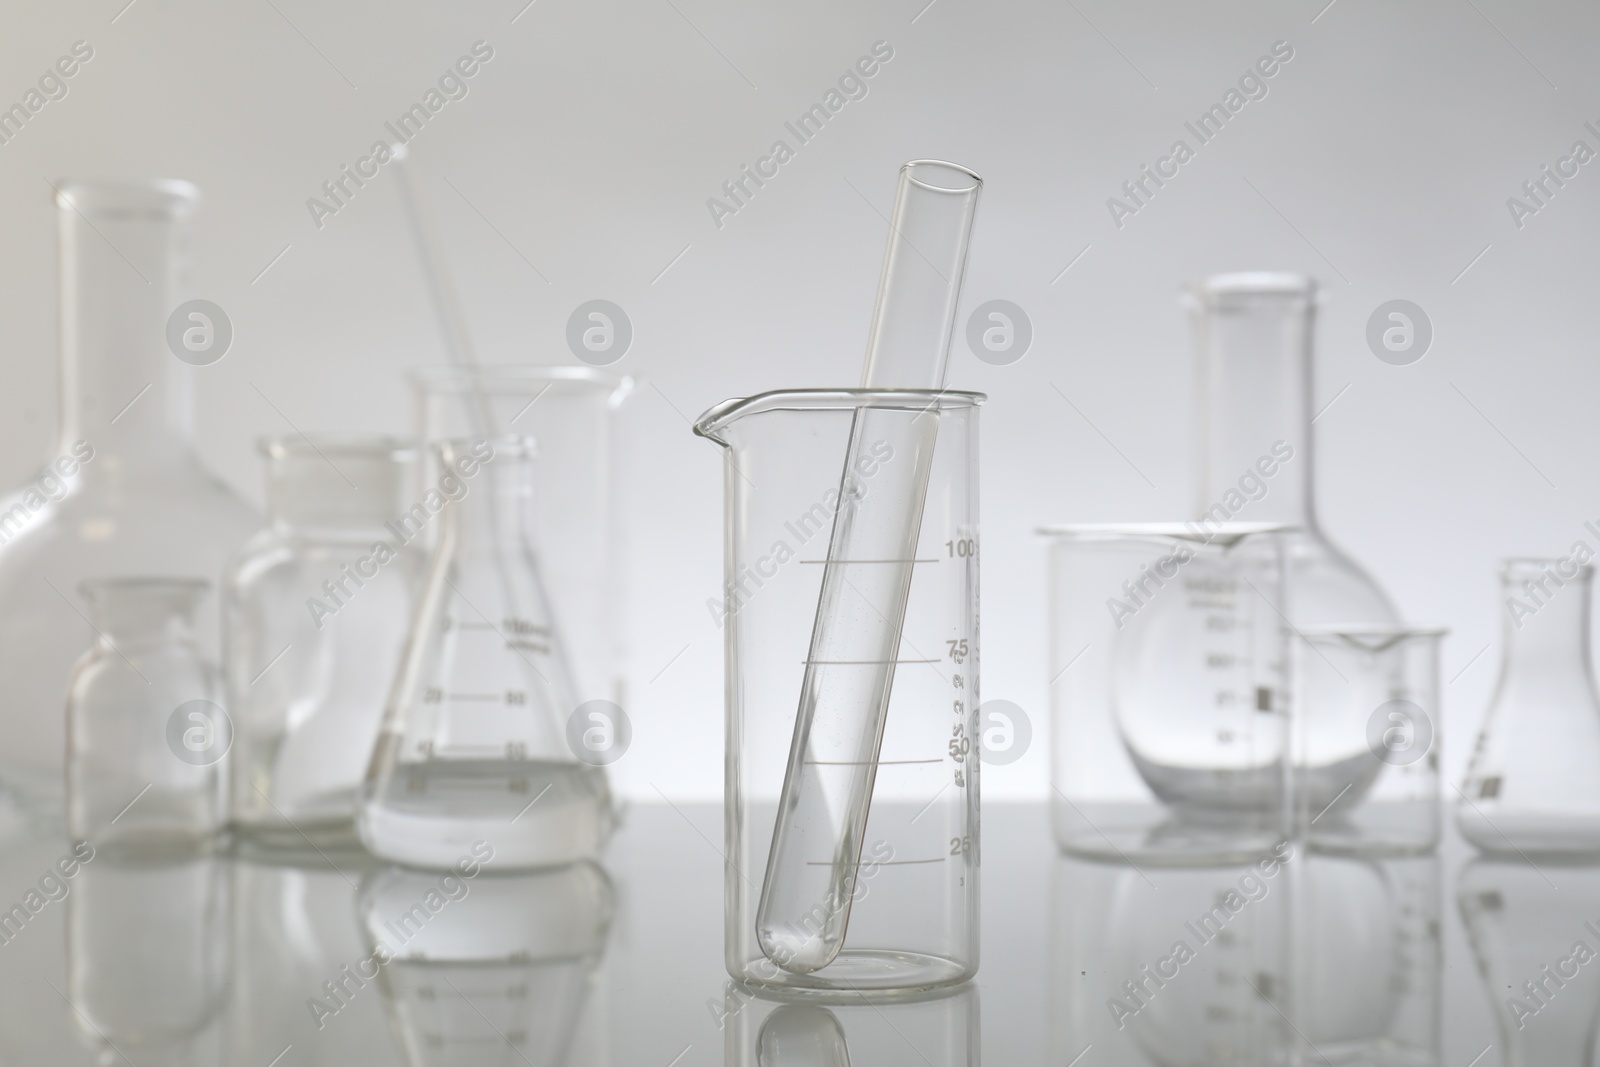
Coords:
126,495
474,738
574,414
147,738
851,663
937,1029
1533,934
913,918
315,610
1531,787
1379,684
1171,690
1253,333
487,967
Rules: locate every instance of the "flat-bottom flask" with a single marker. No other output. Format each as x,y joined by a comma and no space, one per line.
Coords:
474,744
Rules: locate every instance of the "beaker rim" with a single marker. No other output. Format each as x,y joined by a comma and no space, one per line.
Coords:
509,377
1194,532
719,417
282,446
1236,288
152,198
516,445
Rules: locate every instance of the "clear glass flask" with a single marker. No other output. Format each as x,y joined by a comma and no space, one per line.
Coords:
475,736
125,494
1531,787
315,610
912,886
1253,333
147,740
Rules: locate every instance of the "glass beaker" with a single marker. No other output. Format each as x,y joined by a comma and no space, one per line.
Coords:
1531,788
1253,334
315,610
1170,690
1379,684
475,737
126,495
912,889
147,741
573,413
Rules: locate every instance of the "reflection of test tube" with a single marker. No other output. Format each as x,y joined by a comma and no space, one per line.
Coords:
855,639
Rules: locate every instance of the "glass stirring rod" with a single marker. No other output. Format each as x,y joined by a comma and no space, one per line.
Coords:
855,639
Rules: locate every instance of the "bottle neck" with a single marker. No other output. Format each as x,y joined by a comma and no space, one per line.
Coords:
133,613
1546,613
120,259
1255,395
339,489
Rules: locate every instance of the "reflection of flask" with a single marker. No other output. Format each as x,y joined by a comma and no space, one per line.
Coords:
1532,787
474,740
486,968
1535,947
1254,335
146,740
314,617
138,500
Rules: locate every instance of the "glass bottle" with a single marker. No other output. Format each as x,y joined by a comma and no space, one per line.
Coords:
315,609
477,740
1531,787
1253,333
125,495
146,739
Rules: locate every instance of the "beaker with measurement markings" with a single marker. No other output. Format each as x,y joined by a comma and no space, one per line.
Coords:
903,896
474,740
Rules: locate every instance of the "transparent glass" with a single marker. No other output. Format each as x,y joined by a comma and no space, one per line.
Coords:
1379,684
1532,788
574,414
1253,333
939,1029
484,967
1170,690
315,610
147,741
125,494
912,884
475,737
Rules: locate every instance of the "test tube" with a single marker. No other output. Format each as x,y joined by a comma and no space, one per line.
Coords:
855,639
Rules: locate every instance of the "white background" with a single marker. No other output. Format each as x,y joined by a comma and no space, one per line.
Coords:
1380,162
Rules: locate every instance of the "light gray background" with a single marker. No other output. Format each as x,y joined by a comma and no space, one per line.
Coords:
1380,162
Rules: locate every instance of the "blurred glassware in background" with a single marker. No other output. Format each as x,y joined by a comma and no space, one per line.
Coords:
836,1030
475,739
1253,333
147,740
572,412
128,495
1532,788
1170,690
148,957
484,968
315,612
1379,684
1533,935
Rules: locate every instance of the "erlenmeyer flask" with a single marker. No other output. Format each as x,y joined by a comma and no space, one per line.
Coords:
474,743
126,495
1531,787
1253,332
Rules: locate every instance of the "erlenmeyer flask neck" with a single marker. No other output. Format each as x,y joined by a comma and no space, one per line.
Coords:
1546,611
1253,334
129,612
121,249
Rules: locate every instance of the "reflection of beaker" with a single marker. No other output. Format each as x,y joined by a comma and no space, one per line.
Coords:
1537,949
837,1030
1531,788
474,742
148,951
126,494
314,617
483,968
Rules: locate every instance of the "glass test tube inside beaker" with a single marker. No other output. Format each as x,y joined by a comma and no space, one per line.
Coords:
1170,690
913,890
475,739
